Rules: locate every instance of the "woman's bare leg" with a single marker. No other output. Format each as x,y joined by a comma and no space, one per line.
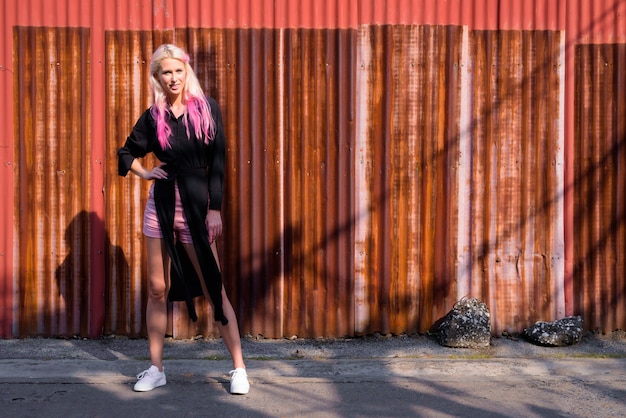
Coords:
158,286
229,332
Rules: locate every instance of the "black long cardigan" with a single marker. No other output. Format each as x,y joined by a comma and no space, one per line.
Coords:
199,170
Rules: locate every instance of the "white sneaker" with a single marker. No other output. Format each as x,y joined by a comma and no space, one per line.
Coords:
239,384
149,379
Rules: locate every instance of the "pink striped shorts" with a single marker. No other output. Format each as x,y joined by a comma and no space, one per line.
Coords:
151,226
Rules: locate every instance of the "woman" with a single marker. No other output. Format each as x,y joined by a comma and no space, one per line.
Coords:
182,218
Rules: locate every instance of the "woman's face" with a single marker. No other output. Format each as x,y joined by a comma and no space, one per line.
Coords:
172,76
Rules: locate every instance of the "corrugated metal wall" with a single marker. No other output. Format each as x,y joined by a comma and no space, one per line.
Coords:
384,160
407,145
517,253
53,261
600,188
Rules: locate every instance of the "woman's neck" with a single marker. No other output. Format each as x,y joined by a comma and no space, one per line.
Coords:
177,106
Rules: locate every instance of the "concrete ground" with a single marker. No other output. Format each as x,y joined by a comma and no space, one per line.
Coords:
361,377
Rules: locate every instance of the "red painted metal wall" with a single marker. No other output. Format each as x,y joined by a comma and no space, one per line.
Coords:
385,160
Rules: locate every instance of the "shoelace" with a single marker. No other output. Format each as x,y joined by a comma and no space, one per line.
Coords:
143,374
232,373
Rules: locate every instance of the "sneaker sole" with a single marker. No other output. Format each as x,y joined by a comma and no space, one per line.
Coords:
148,389
240,391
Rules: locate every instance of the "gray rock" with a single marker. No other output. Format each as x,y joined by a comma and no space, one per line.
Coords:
560,333
467,325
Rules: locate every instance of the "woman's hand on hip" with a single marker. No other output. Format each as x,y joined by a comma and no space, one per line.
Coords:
156,173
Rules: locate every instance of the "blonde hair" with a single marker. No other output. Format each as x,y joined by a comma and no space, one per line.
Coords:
197,113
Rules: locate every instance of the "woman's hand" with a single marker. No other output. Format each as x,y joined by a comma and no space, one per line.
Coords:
155,173
214,225
144,173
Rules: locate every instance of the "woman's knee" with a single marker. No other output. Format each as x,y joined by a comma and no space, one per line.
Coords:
157,290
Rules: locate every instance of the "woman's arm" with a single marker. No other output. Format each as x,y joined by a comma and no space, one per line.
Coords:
137,145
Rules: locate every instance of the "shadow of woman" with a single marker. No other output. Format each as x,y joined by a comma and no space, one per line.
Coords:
75,274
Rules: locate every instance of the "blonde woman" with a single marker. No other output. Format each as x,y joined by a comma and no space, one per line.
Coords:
182,220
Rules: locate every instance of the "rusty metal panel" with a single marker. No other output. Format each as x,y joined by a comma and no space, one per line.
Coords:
317,115
600,186
127,58
239,68
53,219
248,89
516,208
288,205
408,104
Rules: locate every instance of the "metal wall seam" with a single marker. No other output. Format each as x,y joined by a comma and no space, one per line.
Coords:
362,166
281,169
559,267
464,173
8,252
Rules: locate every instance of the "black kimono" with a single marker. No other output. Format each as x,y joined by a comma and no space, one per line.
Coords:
199,170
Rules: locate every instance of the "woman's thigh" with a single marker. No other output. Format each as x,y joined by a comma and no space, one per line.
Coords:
158,265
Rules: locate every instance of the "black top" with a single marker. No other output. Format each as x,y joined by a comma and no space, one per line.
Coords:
199,170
